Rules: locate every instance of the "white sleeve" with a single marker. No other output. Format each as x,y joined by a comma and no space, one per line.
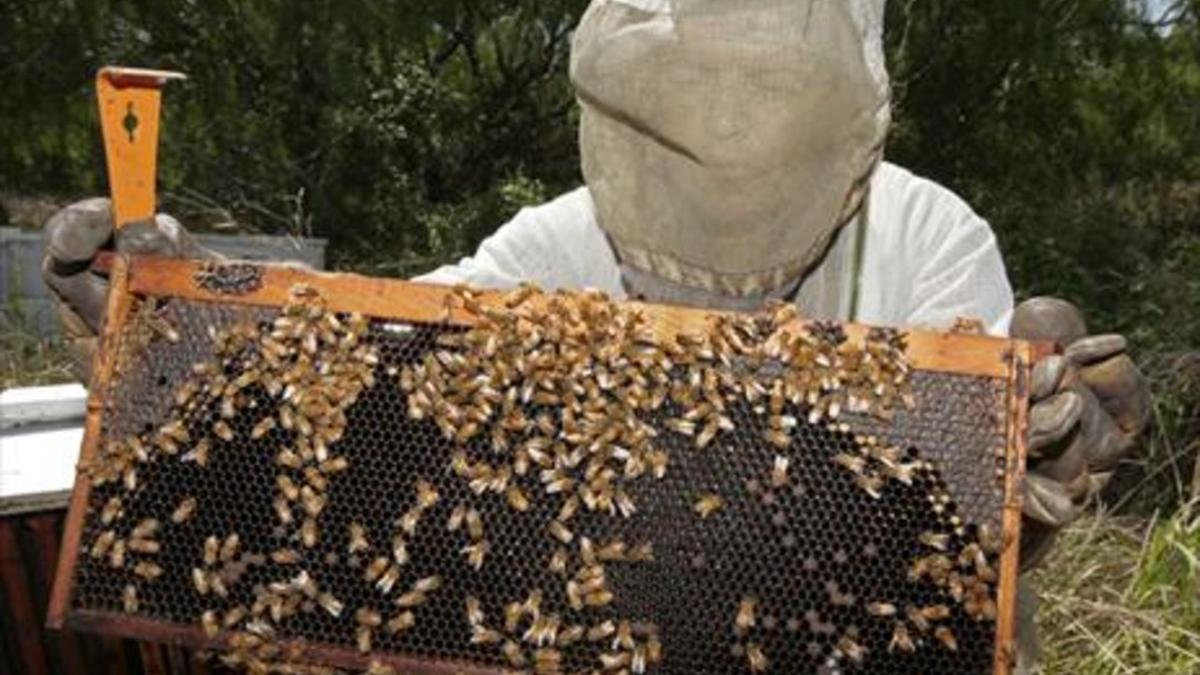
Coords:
554,245
944,260
963,275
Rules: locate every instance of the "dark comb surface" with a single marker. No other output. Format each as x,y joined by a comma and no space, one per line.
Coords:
812,554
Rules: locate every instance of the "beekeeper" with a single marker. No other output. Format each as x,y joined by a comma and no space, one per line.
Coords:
732,152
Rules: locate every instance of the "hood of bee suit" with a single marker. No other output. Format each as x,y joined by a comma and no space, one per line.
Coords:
724,142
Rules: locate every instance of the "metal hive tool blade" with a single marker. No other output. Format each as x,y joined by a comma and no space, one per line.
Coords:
385,522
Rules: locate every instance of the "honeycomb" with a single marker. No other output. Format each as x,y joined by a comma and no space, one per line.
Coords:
554,489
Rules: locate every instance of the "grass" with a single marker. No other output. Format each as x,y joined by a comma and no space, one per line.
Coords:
26,361
1121,595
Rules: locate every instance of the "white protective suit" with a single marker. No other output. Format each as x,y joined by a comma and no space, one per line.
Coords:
926,258
728,147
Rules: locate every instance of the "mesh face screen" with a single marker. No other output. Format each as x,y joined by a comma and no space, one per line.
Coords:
857,544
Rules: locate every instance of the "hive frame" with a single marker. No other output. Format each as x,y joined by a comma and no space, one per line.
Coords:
132,277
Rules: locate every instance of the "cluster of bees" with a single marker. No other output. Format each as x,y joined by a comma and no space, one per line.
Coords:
531,636
568,391
314,365
229,278
603,372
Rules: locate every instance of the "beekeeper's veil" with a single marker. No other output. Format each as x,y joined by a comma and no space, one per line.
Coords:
725,141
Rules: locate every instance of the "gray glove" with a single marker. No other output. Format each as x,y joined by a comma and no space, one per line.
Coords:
73,237
1089,407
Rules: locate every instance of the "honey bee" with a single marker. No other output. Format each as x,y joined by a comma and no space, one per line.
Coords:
706,436
881,609
399,550
200,581
261,429
229,547
362,639
854,651
376,569
615,661
475,553
624,503
103,543
946,637
129,599
756,658
146,546
708,505
614,550
228,408
779,438
428,584
210,623
283,510
570,635
643,552
561,532
217,585
455,521
199,453
315,479
512,652
358,538
601,631
852,463
223,431
569,508
474,524
334,465
287,487
935,612
917,618
388,579
517,499
145,529
745,614
872,485
365,616
779,472
313,502
112,510
657,460
233,616
624,636
308,533
330,604
379,668
427,495
654,650
474,611
184,511
410,520
901,639
935,540
598,598
482,635
401,622
116,557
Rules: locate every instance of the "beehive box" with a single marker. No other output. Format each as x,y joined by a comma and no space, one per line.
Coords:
301,471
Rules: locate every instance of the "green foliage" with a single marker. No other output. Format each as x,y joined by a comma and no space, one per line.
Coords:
1071,126
1129,603
404,132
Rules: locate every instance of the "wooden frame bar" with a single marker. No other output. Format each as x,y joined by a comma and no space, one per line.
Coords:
967,354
